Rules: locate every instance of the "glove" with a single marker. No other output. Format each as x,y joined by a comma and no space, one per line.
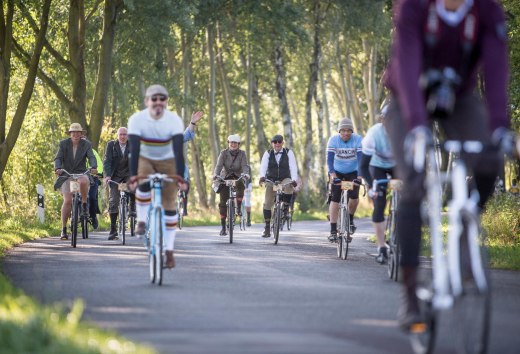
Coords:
261,181
294,184
372,194
415,146
246,176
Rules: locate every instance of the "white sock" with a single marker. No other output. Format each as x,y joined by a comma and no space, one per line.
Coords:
171,224
142,204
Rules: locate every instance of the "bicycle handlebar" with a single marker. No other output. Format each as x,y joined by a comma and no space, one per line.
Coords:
161,177
73,175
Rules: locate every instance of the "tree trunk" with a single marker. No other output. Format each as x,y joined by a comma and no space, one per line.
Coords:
226,88
280,89
104,70
76,42
213,137
261,138
7,145
6,44
369,81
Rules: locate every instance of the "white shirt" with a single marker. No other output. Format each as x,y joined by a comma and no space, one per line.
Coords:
293,168
156,134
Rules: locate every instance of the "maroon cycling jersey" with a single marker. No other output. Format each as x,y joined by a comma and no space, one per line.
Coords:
411,56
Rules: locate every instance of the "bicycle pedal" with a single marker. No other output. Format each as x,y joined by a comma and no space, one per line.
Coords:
418,328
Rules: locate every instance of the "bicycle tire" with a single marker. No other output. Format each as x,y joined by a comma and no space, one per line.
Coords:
289,221
339,246
74,221
341,223
277,222
393,250
123,212
84,227
422,340
472,308
346,231
231,218
150,237
159,246
180,211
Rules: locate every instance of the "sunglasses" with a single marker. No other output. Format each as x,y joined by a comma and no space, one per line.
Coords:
161,98
277,141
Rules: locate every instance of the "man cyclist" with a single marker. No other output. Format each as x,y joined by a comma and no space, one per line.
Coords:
231,163
376,163
343,156
72,156
156,146
437,50
278,165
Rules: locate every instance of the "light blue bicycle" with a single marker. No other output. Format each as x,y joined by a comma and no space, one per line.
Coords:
156,227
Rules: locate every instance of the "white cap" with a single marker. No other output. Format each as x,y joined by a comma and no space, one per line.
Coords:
233,138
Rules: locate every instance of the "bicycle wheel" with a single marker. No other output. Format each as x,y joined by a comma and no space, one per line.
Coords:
151,241
123,214
422,336
159,247
472,308
180,211
289,221
277,222
84,226
74,221
132,220
346,232
341,224
231,218
393,256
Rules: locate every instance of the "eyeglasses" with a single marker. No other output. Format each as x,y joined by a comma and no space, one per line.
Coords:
233,142
277,141
161,98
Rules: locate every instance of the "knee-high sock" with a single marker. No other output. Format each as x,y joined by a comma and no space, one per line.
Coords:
142,203
171,224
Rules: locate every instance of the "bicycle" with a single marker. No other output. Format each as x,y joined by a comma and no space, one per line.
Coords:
231,203
278,215
459,276
394,254
124,214
344,226
243,221
76,217
181,197
156,226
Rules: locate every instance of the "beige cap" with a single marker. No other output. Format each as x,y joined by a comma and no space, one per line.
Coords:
233,138
76,127
345,123
156,90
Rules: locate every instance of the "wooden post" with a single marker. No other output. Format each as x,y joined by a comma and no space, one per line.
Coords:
41,205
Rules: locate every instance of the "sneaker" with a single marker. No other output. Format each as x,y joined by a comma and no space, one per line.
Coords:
141,228
64,236
382,257
170,260
94,222
267,231
248,223
113,236
223,232
333,237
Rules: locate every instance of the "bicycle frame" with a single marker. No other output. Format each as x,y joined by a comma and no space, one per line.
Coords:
278,215
231,203
76,219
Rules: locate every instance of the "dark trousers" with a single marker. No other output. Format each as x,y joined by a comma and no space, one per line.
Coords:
224,196
469,121
93,198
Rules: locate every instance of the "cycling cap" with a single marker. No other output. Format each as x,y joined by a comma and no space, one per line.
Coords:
233,138
156,90
345,123
277,137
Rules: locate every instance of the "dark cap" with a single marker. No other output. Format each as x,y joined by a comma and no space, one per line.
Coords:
277,137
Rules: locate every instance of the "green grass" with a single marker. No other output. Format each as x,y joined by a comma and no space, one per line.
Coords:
29,327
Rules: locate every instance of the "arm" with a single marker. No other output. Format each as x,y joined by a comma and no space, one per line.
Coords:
58,159
220,164
364,171
188,134
331,153
134,144
91,157
108,161
178,152
293,167
263,164
243,165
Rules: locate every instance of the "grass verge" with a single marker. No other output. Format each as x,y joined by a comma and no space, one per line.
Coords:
29,327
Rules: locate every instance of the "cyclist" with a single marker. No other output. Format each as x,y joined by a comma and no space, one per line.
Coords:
156,146
116,169
443,43
376,163
278,165
93,204
343,155
72,156
231,163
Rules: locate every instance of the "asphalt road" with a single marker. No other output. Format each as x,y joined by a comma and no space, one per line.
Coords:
247,297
